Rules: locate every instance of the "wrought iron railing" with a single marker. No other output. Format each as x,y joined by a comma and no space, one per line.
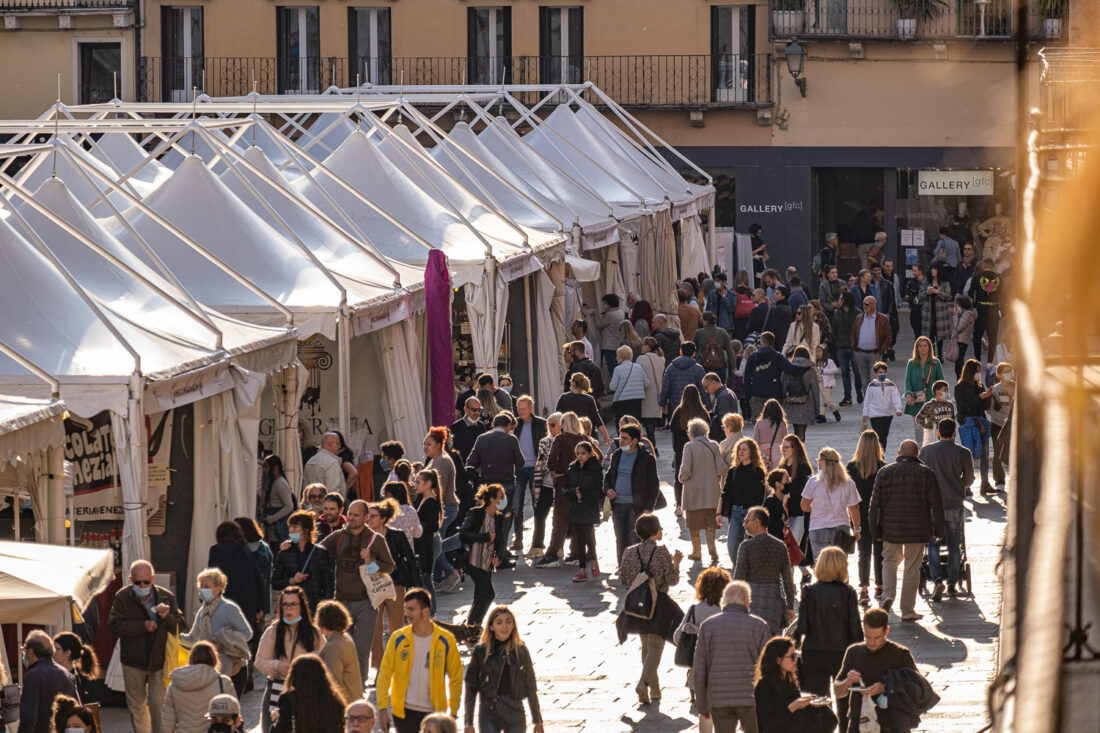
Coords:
663,81
41,6
903,19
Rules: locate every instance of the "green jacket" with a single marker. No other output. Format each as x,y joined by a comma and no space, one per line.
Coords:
919,380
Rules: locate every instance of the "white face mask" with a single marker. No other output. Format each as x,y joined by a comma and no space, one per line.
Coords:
502,504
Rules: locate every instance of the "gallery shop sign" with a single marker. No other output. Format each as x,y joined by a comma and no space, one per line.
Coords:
961,183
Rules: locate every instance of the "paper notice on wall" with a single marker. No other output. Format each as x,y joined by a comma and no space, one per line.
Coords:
158,475
906,237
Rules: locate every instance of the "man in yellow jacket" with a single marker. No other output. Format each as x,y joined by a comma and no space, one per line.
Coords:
417,658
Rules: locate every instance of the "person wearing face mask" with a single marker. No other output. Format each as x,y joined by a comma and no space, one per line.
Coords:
278,501
484,532
286,638
221,622
934,411
224,715
246,584
142,616
43,681
69,716
881,403
632,485
301,562
355,545
192,686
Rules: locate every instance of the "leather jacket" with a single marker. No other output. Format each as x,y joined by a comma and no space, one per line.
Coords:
483,674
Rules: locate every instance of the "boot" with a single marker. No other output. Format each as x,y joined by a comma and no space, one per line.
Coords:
711,547
695,551
836,415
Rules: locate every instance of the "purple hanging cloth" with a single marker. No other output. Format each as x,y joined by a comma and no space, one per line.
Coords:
441,368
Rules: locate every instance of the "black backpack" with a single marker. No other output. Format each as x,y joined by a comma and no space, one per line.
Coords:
407,572
796,392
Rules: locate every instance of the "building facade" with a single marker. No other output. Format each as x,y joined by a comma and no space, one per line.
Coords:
892,123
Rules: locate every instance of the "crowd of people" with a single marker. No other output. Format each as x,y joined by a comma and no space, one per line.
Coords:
315,592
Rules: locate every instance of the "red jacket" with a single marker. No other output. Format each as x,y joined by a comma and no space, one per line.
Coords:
882,332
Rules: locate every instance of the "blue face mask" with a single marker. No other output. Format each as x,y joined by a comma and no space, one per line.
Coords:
206,595
143,590
291,621
295,537
385,464
881,377
502,504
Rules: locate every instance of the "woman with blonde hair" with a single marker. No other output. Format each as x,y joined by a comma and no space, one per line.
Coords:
832,500
579,400
769,430
489,406
338,653
732,425
702,471
221,622
629,383
742,490
629,337
828,621
500,668
563,451
863,469
921,372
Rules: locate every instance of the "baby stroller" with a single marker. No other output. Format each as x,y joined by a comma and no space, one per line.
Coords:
964,585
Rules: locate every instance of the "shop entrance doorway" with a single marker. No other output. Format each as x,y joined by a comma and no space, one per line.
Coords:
848,201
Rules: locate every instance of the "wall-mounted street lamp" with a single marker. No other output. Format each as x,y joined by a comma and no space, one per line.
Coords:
796,58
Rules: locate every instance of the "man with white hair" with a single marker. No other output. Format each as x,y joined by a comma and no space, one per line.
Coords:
142,617
726,651
45,679
360,717
325,467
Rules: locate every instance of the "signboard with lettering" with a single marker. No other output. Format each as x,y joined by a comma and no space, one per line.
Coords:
955,183
779,200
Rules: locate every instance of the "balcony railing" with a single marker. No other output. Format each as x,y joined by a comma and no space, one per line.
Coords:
673,81
67,6
882,19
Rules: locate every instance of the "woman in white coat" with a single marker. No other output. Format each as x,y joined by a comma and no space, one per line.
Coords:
652,361
187,699
702,472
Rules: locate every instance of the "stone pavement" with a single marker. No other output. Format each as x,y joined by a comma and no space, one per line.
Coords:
586,680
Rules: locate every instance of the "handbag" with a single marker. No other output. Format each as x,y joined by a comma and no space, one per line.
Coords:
379,585
845,539
951,350
9,704
641,598
506,711
685,647
794,552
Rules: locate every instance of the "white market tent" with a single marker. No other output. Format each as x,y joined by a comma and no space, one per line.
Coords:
40,583
31,459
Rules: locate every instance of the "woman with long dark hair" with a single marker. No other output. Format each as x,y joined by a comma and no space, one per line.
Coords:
691,407
971,402
501,667
70,715
428,501
780,705
796,463
247,584
863,469
652,362
483,531
70,651
936,311
313,702
768,432
347,465
440,461
301,561
278,501
291,635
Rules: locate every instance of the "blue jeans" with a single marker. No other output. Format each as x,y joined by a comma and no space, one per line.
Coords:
822,538
953,523
970,435
736,532
845,359
525,479
445,544
609,360
623,517
486,724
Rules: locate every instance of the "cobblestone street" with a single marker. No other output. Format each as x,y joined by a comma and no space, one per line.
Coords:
586,679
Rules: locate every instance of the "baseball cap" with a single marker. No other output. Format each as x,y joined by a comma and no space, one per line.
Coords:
224,705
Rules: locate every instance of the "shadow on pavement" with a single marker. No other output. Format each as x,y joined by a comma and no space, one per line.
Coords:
963,618
650,718
932,648
992,508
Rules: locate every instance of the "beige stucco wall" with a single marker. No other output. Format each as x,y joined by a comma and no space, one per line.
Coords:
33,56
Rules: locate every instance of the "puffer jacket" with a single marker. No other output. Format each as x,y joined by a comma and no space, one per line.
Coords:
801,413
669,340
628,382
962,325
726,651
187,699
683,370
828,617
905,504
588,478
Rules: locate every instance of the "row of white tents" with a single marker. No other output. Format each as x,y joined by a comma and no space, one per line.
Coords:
158,255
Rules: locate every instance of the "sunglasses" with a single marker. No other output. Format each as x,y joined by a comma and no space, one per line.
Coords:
474,409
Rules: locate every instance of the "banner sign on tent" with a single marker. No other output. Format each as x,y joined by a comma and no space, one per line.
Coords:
90,448
187,388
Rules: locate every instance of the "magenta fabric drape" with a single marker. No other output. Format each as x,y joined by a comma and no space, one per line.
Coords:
441,368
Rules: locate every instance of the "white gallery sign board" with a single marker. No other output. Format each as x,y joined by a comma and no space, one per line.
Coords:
957,183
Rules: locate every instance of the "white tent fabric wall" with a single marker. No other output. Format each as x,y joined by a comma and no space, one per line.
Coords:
664,293
128,430
402,365
630,266
288,385
611,262
693,255
226,426
487,306
550,334
649,262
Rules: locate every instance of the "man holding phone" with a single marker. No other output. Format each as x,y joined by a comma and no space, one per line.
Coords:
865,664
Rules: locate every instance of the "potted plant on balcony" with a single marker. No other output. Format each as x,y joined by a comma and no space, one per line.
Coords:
788,17
911,11
1052,12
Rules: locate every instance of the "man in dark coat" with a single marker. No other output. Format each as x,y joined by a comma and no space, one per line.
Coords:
45,679
580,363
906,512
142,617
466,429
632,485
496,457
